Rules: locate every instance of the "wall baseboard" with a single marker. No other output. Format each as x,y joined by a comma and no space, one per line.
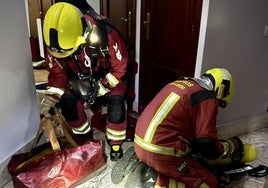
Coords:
243,126
227,130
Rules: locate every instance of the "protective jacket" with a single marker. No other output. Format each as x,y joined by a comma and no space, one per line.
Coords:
118,61
59,69
180,113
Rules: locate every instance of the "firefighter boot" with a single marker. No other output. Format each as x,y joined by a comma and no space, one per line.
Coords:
116,152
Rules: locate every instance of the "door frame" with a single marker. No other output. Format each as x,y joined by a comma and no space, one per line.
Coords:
200,47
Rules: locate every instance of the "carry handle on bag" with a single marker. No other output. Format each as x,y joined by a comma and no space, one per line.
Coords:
58,163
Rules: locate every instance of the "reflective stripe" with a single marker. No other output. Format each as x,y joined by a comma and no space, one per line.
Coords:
204,185
85,128
113,81
159,149
181,185
175,184
111,137
116,135
161,113
159,186
54,90
172,184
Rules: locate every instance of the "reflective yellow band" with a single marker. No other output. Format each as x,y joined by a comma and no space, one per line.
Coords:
159,186
85,128
116,135
204,185
54,91
175,184
181,185
113,81
161,113
172,184
159,149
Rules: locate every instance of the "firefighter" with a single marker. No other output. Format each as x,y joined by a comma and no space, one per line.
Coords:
179,124
86,59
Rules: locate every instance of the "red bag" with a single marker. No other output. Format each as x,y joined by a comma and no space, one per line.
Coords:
44,167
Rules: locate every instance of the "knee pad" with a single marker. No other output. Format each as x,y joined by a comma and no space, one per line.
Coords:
68,105
116,109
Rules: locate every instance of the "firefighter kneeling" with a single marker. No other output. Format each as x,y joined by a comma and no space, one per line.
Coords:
176,133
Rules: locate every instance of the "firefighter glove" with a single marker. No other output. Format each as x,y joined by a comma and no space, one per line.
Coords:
46,105
102,89
112,80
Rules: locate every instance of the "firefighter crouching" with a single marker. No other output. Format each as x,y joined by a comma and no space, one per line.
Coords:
86,59
179,124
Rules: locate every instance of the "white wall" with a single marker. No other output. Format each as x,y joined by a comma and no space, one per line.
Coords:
18,103
235,40
95,4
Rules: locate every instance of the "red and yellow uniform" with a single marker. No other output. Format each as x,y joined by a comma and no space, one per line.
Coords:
180,113
70,50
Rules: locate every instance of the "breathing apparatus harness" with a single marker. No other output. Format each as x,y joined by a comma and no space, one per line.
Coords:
84,85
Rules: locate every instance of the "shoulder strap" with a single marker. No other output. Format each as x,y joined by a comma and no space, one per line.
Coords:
200,96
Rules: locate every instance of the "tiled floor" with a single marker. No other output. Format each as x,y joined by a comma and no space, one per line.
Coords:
258,138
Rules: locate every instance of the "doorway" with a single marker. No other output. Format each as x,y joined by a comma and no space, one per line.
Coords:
168,44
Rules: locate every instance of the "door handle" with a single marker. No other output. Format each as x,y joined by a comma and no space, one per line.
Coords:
124,19
128,20
147,24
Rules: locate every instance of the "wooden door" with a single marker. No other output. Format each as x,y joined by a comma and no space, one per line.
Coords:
123,13
37,9
169,39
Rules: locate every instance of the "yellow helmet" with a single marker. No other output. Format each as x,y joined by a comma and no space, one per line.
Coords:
223,84
64,29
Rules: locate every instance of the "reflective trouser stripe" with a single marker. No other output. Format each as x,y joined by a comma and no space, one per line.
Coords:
204,185
172,184
175,184
159,186
85,128
115,134
159,149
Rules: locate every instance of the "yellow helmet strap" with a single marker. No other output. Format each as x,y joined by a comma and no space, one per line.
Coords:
223,89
